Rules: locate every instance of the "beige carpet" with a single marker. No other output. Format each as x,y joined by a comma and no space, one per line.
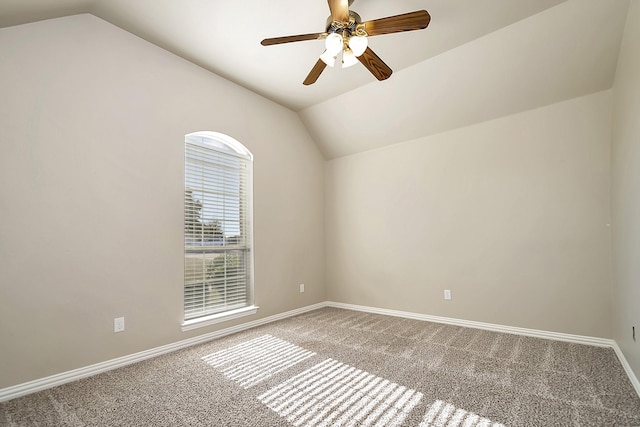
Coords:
339,367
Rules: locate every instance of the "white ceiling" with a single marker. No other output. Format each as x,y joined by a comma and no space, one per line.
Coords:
477,60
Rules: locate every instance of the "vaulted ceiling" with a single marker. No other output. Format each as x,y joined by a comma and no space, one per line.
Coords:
477,60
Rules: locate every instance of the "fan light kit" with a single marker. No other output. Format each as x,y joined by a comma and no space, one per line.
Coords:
347,35
351,48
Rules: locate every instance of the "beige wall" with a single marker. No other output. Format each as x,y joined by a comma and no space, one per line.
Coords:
511,215
625,182
91,172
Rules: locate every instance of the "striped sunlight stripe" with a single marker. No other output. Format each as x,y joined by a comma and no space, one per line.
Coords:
256,360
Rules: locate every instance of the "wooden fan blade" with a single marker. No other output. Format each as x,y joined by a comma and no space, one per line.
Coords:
315,73
378,68
339,10
417,20
289,39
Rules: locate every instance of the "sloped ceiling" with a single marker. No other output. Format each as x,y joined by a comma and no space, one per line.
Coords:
561,53
477,60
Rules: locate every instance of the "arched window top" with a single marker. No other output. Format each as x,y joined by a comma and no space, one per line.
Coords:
220,142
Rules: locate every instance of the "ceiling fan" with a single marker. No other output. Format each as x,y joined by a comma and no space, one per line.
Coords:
346,33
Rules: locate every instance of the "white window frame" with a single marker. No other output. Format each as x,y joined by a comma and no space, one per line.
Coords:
224,145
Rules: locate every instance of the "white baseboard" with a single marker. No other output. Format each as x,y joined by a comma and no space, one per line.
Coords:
627,367
76,374
578,339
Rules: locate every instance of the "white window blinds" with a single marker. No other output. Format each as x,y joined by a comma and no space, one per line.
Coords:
217,234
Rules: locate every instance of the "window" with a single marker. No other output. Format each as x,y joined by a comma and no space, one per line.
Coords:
218,256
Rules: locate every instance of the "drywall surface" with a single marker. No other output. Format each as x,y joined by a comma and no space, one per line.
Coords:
510,215
92,126
625,189
561,53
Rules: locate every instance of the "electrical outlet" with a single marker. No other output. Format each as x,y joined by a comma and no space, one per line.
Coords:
447,294
118,324
301,287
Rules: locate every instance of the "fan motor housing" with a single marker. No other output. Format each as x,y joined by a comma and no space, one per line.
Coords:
334,26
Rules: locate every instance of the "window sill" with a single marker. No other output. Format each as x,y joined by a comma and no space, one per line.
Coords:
201,322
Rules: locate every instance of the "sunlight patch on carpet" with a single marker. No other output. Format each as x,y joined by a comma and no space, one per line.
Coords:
253,361
442,414
334,394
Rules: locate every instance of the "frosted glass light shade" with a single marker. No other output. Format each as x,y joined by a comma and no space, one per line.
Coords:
328,58
333,43
358,44
348,58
